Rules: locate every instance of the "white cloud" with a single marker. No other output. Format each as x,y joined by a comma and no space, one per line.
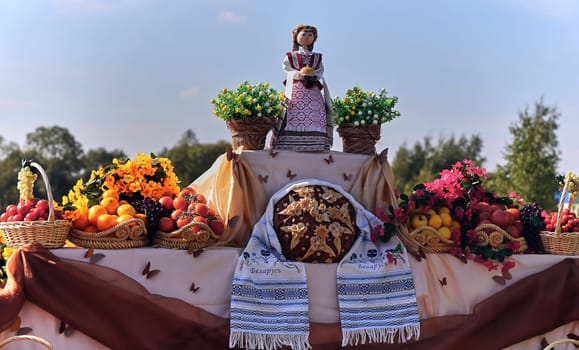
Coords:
230,17
560,9
191,92
87,6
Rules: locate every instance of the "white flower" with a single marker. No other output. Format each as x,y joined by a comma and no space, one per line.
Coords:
267,104
370,112
375,122
364,104
356,123
362,122
376,116
259,114
359,112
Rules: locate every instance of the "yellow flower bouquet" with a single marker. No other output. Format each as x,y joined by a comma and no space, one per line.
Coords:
364,108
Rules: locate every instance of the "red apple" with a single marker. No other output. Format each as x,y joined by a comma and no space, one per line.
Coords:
513,231
166,202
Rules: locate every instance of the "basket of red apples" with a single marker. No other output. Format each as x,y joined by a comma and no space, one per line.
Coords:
33,219
561,235
498,225
192,223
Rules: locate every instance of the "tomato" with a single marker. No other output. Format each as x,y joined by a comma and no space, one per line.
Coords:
43,205
166,224
179,203
176,214
217,225
202,209
183,220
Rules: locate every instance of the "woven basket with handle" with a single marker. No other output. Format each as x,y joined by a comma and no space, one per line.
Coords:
51,233
557,242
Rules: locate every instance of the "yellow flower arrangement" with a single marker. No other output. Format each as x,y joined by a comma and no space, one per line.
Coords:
257,100
146,176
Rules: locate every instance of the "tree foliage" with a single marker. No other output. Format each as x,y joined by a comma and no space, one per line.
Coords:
190,158
531,158
424,161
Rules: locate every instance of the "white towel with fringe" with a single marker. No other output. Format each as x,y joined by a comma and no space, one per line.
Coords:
269,303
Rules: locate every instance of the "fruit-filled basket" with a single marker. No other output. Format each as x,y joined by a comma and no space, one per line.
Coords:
128,234
33,219
559,241
189,222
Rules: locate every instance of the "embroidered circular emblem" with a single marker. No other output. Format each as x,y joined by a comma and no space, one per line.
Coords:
315,224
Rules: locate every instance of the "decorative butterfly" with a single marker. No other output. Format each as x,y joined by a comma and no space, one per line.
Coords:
290,175
23,330
347,177
329,160
263,178
148,272
94,258
193,288
272,153
442,281
500,280
63,328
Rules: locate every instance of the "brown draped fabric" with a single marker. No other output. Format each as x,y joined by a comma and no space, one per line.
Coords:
118,312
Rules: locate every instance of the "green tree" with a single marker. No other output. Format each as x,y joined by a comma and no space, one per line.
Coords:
10,162
424,161
56,149
531,158
190,158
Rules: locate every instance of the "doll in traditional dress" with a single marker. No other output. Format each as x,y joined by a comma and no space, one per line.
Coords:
307,122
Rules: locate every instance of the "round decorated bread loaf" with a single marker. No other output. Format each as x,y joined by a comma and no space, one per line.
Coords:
315,224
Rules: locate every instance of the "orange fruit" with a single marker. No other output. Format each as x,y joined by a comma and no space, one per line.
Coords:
91,228
124,217
94,212
111,204
81,221
111,194
142,217
106,221
126,209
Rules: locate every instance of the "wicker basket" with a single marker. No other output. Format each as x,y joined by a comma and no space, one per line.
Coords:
359,139
552,345
32,338
429,238
195,235
51,233
495,236
129,234
561,243
250,133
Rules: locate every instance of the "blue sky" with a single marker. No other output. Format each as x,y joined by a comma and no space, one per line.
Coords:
135,74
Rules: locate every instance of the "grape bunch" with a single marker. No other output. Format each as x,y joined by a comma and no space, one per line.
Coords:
153,210
25,185
533,222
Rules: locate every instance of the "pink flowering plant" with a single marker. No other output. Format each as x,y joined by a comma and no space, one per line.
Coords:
460,189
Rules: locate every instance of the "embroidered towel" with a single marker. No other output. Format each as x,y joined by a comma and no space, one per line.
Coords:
269,303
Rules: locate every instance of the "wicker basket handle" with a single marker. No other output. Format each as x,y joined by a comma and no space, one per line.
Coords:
561,341
560,209
51,214
33,338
